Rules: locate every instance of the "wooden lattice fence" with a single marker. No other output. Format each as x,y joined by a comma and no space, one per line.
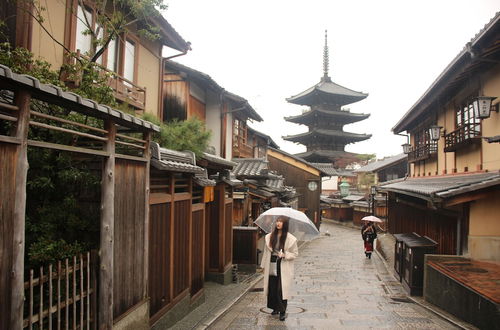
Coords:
62,296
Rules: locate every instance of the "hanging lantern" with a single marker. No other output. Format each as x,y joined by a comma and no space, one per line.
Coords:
406,148
344,188
435,132
482,106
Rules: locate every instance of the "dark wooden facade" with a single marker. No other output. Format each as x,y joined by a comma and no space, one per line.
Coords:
299,175
407,217
177,233
219,234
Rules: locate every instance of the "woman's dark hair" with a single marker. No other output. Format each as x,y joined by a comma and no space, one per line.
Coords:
284,232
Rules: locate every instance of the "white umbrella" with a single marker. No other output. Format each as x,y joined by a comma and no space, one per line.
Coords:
299,225
371,218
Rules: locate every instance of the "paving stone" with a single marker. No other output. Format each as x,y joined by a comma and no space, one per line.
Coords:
337,288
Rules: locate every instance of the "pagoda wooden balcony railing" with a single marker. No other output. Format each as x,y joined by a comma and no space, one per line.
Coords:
462,136
422,152
241,149
124,90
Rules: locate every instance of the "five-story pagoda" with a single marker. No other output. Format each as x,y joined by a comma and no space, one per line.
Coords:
326,139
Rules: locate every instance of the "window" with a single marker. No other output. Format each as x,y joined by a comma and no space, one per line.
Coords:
465,117
112,57
83,39
129,61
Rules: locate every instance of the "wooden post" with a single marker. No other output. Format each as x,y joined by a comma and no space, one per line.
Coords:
23,99
147,156
107,232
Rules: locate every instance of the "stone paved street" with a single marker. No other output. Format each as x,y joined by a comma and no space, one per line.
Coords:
335,287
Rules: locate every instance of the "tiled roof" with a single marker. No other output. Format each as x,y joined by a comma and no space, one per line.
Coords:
326,89
270,141
353,198
325,154
202,179
203,78
345,115
326,168
56,95
249,166
380,164
218,160
242,102
175,161
443,186
328,133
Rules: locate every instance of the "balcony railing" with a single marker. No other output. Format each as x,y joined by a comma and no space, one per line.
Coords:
422,152
126,91
241,149
123,89
462,136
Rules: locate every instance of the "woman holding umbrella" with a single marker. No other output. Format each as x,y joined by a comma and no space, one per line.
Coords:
369,234
278,264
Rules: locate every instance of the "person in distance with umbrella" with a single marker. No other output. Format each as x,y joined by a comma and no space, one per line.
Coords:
278,264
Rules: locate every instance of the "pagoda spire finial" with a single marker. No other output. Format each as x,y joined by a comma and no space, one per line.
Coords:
326,59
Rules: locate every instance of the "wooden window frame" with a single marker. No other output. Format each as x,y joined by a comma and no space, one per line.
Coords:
70,37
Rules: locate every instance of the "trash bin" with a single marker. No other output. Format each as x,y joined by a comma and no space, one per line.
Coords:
399,253
414,249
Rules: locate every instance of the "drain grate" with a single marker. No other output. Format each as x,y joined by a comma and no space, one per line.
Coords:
256,290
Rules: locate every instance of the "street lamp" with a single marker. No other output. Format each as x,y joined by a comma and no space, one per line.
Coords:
344,188
435,132
482,106
406,148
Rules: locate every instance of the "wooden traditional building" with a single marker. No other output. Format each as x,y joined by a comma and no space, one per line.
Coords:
190,93
453,190
301,175
386,169
135,62
325,139
113,286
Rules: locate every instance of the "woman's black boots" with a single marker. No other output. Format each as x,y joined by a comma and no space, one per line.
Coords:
274,312
282,316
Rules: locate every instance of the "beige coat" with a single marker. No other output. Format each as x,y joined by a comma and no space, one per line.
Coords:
287,264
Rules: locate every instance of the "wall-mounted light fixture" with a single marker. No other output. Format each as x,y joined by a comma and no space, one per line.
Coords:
435,132
482,106
406,148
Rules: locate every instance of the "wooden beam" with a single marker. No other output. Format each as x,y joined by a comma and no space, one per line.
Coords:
467,198
17,273
107,232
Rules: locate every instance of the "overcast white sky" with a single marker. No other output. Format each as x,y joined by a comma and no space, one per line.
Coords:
266,51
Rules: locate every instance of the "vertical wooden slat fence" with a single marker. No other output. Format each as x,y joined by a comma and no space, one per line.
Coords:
197,248
181,246
72,287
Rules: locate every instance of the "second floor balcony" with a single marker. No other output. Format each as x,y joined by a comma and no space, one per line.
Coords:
241,149
462,136
124,90
422,152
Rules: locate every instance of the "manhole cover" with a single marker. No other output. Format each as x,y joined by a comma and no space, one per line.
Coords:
289,310
256,290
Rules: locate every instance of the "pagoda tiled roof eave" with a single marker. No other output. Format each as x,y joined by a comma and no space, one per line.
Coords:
327,133
350,116
327,89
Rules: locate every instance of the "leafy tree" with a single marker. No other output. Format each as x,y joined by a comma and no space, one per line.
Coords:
178,135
